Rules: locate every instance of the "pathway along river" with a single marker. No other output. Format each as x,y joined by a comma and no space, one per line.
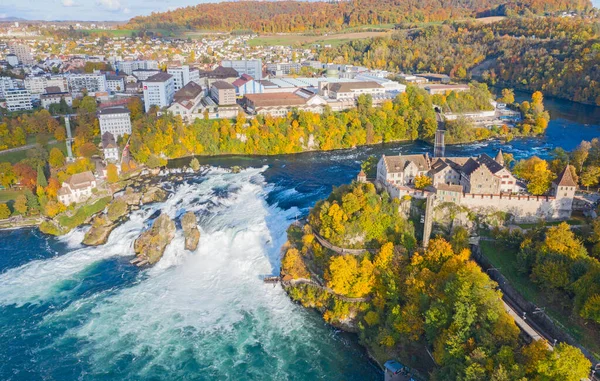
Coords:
69,312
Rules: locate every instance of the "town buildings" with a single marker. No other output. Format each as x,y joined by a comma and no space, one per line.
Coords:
187,101
77,189
115,120
159,90
22,52
128,67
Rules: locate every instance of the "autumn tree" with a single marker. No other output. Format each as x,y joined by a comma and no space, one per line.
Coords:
4,211
112,174
56,158
535,171
422,181
21,204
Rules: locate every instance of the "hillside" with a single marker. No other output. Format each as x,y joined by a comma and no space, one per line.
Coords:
297,16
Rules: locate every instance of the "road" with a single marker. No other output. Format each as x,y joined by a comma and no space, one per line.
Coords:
25,147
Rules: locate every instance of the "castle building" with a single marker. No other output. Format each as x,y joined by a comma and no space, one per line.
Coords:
479,183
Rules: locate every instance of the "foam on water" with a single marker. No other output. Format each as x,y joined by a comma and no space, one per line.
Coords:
210,307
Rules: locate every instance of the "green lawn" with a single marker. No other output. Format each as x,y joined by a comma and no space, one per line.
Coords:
15,157
572,222
83,213
506,261
8,195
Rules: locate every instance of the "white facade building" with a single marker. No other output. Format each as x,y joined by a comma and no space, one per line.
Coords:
18,100
91,83
38,85
182,75
23,53
252,68
352,90
110,147
159,90
7,83
77,189
54,98
128,67
12,60
115,83
115,120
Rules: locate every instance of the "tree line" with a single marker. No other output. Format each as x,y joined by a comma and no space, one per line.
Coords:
292,16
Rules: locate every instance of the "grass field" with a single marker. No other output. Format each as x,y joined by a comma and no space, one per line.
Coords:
15,157
9,195
83,213
559,309
303,40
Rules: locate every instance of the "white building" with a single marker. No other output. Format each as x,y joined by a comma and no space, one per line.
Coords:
352,90
247,85
115,120
38,85
7,83
91,83
279,69
128,67
49,99
187,101
12,60
18,100
115,83
77,189
182,75
159,90
110,147
252,68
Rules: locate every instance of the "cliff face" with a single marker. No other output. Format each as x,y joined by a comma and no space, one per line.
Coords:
150,245
190,231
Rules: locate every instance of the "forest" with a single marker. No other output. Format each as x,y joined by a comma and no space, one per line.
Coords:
298,17
557,56
412,299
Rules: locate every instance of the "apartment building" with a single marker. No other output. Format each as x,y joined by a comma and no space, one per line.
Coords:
128,67
115,120
182,75
7,83
18,100
90,83
352,90
223,93
159,90
252,68
23,53
38,85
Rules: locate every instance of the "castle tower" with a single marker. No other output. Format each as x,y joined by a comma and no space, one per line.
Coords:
500,158
564,188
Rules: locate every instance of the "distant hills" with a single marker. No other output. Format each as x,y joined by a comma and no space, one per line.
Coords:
10,18
299,17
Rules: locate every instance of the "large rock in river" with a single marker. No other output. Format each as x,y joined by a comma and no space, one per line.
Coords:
190,231
151,244
154,194
99,232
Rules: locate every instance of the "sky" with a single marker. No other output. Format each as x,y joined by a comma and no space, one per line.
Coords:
88,10
95,10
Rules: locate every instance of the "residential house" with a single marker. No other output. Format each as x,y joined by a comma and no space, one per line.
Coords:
77,189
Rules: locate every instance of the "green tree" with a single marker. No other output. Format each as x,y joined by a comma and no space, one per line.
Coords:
195,164
41,177
564,363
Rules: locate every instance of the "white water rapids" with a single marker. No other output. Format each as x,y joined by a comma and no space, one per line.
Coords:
195,315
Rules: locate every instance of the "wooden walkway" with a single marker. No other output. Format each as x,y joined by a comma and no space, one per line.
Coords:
340,250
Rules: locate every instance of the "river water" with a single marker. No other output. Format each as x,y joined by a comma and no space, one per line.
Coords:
69,312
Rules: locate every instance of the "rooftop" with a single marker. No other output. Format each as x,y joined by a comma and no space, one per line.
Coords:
113,110
222,85
160,77
346,87
275,99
